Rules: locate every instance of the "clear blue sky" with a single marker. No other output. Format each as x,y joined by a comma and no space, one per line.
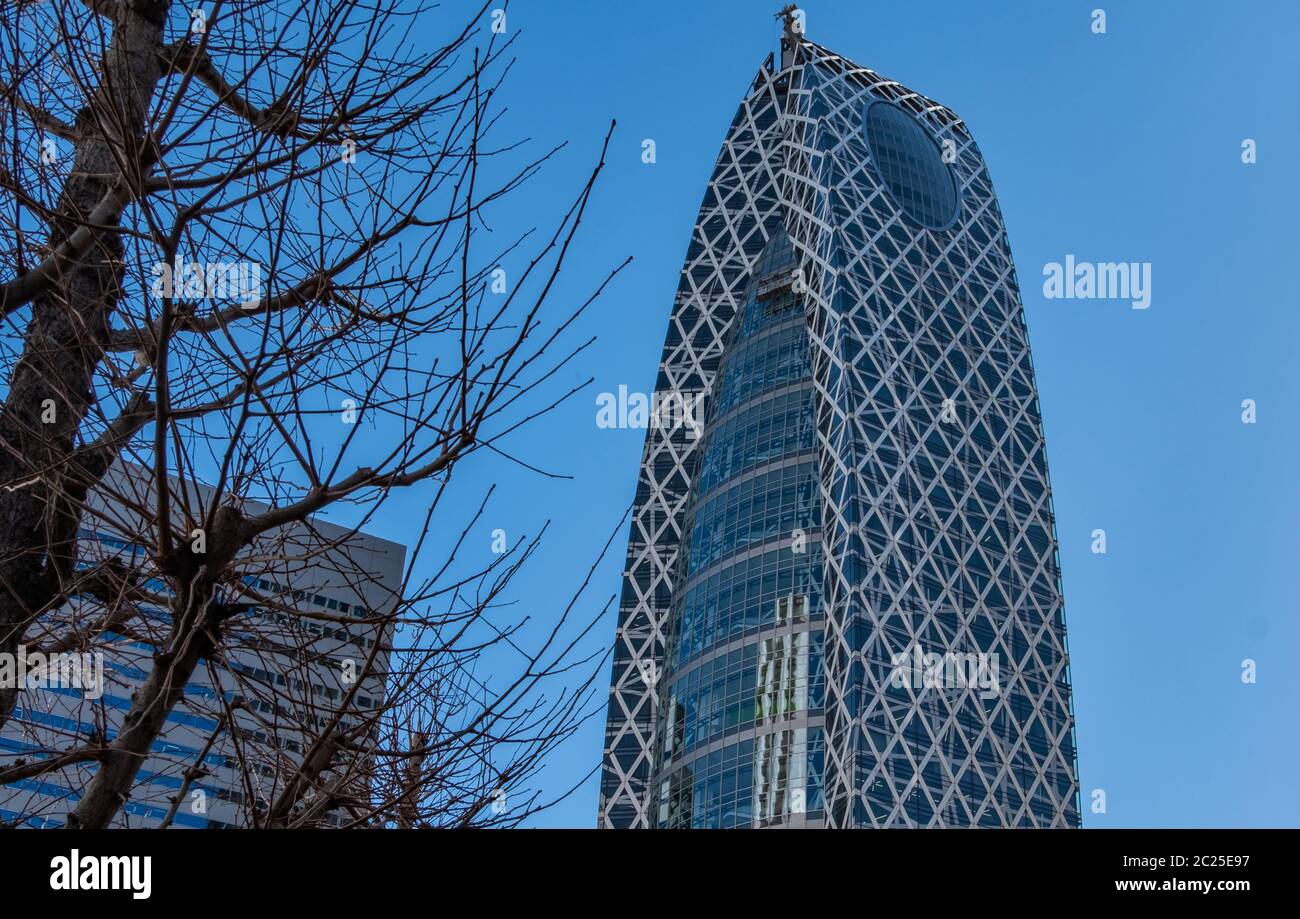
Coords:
1116,147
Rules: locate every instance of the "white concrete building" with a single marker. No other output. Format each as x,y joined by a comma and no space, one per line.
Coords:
310,634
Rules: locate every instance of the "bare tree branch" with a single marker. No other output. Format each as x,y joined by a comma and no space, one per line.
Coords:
256,286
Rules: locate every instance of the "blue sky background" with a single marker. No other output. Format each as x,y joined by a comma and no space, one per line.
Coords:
1116,147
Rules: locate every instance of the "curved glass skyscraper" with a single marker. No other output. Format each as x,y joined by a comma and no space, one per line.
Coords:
842,602
741,730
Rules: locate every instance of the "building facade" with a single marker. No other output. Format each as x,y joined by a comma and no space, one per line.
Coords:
842,603
308,629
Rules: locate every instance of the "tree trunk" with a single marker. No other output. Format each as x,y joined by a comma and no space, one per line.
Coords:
197,621
51,386
150,706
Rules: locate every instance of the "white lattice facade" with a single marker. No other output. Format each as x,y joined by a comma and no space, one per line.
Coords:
870,488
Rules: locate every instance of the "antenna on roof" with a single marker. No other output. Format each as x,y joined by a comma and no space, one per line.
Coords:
793,20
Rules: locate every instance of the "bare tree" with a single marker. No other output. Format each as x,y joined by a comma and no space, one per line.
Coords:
243,246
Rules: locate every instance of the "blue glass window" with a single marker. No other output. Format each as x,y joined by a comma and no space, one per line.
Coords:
743,598
772,429
760,364
909,162
768,506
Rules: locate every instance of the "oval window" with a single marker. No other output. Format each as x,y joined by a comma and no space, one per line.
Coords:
909,163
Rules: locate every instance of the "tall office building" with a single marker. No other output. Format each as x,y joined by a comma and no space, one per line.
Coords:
842,604
315,590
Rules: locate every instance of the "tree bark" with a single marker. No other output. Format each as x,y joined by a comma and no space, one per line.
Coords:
150,706
197,620
51,386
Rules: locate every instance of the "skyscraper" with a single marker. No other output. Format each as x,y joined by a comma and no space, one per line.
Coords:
284,666
842,604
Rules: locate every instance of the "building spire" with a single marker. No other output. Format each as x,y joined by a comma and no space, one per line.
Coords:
792,19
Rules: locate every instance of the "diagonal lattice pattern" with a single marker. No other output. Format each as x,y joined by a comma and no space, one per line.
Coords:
728,238
937,526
